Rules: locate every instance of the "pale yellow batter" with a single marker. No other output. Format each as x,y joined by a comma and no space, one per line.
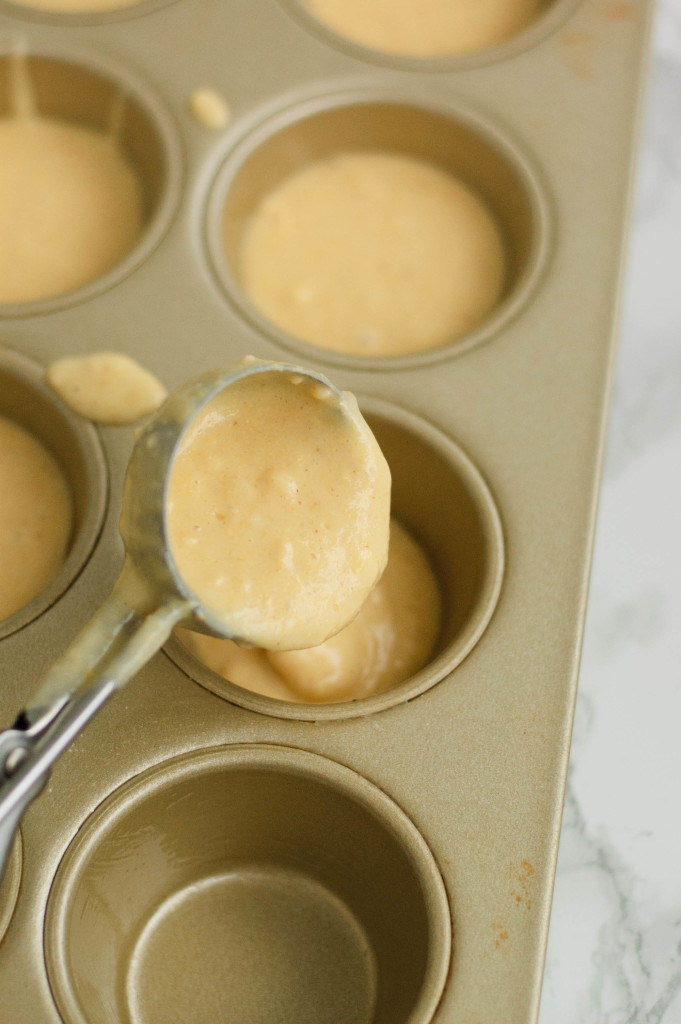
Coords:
425,28
278,509
35,517
248,667
391,638
70,207
106,387
374,253
210,108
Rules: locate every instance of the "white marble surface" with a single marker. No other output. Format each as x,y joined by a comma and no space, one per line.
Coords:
614,954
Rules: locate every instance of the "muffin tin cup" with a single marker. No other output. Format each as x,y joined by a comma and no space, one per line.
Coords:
82,88
29,401
445,503
451,136
550,15
248,883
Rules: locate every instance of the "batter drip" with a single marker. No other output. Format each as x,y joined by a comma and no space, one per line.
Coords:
391,638
278,508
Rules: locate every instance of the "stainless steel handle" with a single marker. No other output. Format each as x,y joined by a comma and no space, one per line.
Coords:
27,755
126,631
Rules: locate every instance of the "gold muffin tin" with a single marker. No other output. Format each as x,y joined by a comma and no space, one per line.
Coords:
203,853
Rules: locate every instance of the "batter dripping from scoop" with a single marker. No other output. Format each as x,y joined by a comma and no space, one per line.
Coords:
278,508
391,638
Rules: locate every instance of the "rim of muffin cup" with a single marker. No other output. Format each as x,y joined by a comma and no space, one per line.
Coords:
73,19
11,883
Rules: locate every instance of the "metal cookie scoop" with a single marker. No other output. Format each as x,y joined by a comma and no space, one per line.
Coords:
148,600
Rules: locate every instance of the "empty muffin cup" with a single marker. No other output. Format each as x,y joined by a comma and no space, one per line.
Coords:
88,178
379,231
442,499
76,451
247,883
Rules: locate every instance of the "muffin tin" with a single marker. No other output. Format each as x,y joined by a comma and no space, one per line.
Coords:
204,853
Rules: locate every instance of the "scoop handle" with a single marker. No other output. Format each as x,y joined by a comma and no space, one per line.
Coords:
26,761
120,638
131,625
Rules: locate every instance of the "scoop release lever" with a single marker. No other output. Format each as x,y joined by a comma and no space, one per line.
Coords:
29,749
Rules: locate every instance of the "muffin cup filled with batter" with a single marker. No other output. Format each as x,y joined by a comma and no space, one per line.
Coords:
426,30
440,498
51,457
377,230
390,639
248,883
88,177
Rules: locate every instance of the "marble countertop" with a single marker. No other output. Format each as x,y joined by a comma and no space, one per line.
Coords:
614,953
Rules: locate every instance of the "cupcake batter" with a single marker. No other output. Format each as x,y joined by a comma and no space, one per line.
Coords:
278,509
248,667
70,207
425,28
106,387
210,109
35,517
70,203
374,253
390,639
